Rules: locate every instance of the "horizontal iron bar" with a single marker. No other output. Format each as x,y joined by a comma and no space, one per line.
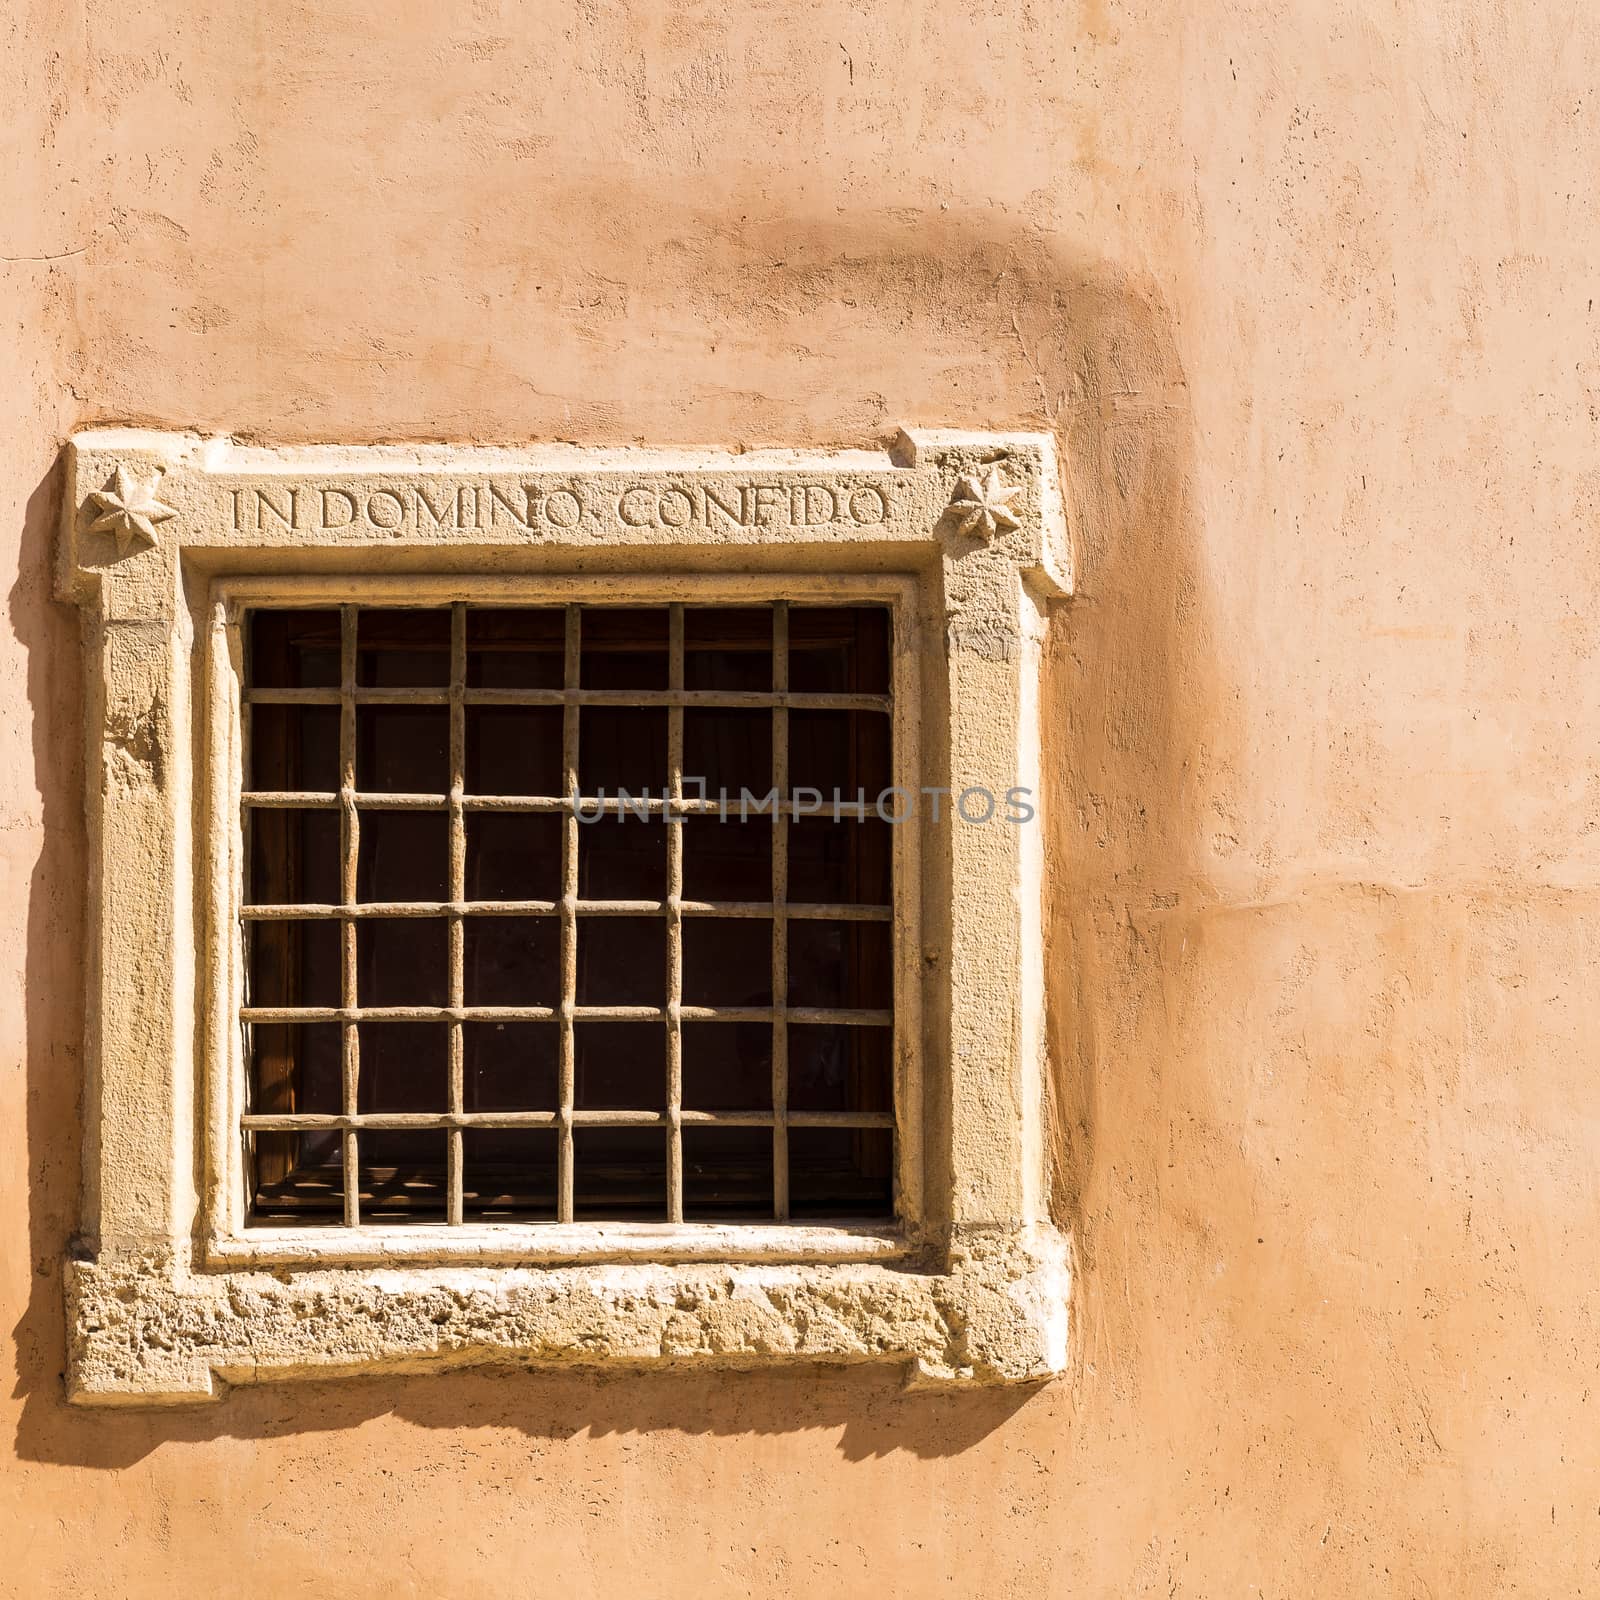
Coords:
316,1122
805,1015
819,912
711,699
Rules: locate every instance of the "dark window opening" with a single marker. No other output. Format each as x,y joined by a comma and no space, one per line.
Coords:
488,979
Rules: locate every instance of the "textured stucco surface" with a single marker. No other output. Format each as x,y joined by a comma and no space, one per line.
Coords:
1305,291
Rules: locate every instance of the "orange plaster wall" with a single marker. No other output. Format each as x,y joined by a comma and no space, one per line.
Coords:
1306,291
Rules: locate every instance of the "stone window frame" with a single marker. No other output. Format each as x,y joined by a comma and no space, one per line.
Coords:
167,536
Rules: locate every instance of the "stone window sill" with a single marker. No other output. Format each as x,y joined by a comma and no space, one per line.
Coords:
148,1329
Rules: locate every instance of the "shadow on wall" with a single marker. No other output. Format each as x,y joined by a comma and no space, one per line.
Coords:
948,323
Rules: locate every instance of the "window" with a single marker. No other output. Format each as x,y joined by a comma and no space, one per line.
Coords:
568,912
562,905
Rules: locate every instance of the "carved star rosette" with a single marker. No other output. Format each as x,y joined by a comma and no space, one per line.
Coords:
981,502
129,509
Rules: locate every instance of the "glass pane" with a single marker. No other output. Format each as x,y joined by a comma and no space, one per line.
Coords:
515,648
403,855
293,650
840,1069
514,750
845,964
294,747
727,859
727,961
294,858
402,961
405,1066
511,961
620,1066
293,963
727,647
840,752
299,1068
622,748
838,650
509,1174
510,1066
403,649
726,750
402,1175
623,858
620,1173
839,863
624,647
841,1172
403,749
622,961
299,1177
727,1066
727,1174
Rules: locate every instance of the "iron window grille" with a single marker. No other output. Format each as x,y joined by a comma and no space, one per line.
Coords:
521,991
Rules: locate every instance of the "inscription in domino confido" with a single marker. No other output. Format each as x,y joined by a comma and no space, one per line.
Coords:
536,507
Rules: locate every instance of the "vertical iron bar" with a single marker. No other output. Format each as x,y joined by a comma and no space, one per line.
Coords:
569,917
780,923
349,846
458,893
674,827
